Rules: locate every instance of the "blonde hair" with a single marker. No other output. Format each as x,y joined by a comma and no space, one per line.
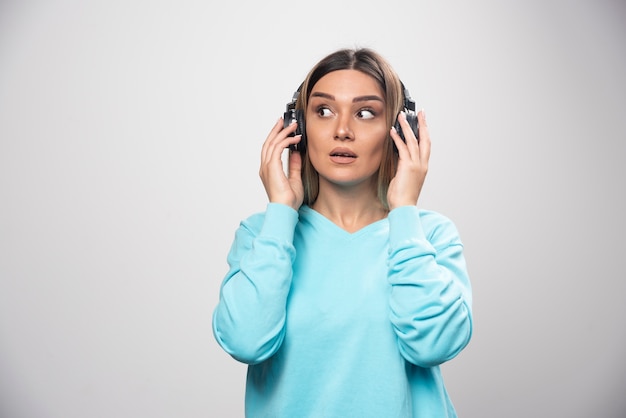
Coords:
374,65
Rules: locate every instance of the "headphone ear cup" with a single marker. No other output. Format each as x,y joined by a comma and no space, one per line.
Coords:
301,130
411,118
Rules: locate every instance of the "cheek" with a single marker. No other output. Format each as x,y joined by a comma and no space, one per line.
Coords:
313,150
315,131
378,142
378,152
317,139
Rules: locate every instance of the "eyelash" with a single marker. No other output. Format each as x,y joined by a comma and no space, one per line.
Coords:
321,109
373,113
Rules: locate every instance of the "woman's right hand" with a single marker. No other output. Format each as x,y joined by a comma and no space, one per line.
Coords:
279,187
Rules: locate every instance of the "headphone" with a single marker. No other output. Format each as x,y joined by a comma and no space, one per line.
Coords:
297,115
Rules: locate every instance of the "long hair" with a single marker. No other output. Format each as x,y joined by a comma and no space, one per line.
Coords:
374,65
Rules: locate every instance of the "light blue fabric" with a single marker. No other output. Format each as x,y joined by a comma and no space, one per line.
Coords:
338,324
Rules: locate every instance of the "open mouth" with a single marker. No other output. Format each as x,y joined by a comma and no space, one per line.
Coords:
342,153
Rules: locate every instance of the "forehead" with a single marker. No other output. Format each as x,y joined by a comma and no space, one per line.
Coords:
348,84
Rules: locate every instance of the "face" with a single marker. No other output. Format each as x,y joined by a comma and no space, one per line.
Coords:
346,128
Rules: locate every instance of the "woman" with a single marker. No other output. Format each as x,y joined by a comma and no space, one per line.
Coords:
343,297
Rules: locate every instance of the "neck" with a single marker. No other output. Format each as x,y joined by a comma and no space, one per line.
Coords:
349,209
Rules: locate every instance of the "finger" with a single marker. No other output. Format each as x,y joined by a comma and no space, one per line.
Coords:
277,135
409,135
282,141
403,152
424,135
266,144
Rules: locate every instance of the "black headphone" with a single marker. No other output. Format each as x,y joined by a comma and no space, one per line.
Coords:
297,115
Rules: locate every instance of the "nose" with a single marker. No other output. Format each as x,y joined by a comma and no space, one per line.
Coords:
343,129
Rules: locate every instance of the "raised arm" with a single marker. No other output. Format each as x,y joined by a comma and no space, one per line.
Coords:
431,299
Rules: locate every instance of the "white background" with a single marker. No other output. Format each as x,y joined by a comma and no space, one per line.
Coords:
130,134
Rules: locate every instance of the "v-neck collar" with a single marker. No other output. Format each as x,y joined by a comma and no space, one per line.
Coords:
335,229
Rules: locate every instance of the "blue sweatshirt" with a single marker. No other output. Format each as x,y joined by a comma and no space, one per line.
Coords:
339,324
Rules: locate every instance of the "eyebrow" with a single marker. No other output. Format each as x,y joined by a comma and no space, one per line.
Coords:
356,99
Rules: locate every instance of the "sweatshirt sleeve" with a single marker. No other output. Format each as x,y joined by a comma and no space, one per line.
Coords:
430,301
249,319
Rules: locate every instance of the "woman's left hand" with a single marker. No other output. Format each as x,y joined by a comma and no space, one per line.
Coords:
413,156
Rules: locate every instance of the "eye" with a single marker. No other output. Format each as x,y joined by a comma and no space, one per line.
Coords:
366,114
324,111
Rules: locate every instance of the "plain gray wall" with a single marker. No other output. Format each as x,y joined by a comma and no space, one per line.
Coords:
130,135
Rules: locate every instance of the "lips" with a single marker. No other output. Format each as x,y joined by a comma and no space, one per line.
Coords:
343,153
342,156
